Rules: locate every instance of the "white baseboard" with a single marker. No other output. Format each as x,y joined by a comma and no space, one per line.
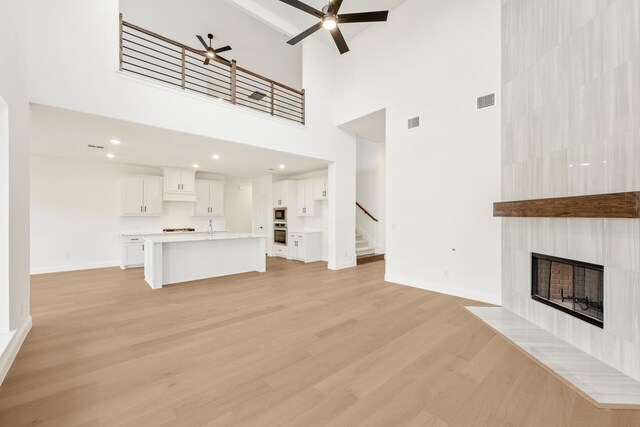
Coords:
74,267
443,289
11,351
342,266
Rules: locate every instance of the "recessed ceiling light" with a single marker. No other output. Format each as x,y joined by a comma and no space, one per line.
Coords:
585,164
216,156
115,141
220,99
196,165
282,166
111,156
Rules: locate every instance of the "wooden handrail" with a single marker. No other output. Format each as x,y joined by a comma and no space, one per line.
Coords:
366,212
202,53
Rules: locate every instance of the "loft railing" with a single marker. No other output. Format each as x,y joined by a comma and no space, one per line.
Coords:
147,54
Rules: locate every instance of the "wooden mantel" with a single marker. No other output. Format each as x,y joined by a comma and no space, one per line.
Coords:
613,205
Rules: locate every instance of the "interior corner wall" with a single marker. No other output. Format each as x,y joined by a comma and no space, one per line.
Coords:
442,177
238,202
14,168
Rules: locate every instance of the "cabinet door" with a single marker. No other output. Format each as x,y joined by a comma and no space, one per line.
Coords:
216,198
134,254
172,180
302,249
291,244
309,199
320,189
301,201
132,196
202,205
188,181
277,194
153,196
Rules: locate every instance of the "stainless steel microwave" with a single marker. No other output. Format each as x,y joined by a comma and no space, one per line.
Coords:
280,214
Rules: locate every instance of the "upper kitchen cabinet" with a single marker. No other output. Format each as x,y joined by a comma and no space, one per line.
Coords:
320,191
141,195
305,198
179,185
209,198
284,194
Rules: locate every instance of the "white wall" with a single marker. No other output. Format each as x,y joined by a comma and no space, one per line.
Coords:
96,87
262,199
443,177
14,168
75,219
238,199
262,50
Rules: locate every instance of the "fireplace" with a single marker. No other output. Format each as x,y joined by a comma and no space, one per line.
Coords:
574,287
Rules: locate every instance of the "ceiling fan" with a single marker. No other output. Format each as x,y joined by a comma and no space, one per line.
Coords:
210,52
329,19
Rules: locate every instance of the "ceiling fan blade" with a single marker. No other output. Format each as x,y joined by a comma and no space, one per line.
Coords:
334,6
222,49
303,7
305,34
203,42
339,39
350,18
224,59
207,60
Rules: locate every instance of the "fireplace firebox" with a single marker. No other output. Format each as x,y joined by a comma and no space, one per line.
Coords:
574,287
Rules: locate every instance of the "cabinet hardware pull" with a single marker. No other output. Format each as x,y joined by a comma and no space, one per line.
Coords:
145,209
140,208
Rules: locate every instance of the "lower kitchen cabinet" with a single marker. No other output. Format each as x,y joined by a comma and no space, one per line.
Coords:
132,252
305,246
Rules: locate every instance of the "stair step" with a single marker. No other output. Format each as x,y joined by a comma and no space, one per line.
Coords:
361,243
367,250
365,259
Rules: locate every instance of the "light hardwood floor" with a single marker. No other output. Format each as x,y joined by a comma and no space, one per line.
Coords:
298,345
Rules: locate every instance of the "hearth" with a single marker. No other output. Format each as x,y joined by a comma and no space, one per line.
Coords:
574,287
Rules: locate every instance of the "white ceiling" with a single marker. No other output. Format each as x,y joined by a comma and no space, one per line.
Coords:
303,20
63,133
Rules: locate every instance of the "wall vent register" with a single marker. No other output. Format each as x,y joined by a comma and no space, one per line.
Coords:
413,122
574,287
486,101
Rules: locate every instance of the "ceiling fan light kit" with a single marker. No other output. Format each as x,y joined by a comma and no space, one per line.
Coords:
330,20
211,53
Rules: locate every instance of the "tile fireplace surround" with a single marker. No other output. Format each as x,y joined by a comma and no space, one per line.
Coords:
571,127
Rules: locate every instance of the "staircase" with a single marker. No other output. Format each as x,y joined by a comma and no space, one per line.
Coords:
364,252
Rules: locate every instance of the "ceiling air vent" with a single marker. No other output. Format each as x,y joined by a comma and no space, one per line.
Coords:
257,95
486,101
97,147
413,122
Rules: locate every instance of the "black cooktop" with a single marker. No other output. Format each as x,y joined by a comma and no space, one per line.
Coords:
178,230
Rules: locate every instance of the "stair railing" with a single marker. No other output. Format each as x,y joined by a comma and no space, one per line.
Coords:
366,212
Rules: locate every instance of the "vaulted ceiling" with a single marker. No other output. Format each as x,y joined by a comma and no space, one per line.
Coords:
303,20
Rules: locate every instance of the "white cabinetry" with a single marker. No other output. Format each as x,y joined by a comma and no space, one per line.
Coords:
209,198
305,246
320,189
132,251
141,195
179,185
284,194
305,199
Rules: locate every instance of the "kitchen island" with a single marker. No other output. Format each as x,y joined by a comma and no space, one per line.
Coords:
181,258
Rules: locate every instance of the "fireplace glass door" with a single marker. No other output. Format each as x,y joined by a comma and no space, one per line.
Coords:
575,287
